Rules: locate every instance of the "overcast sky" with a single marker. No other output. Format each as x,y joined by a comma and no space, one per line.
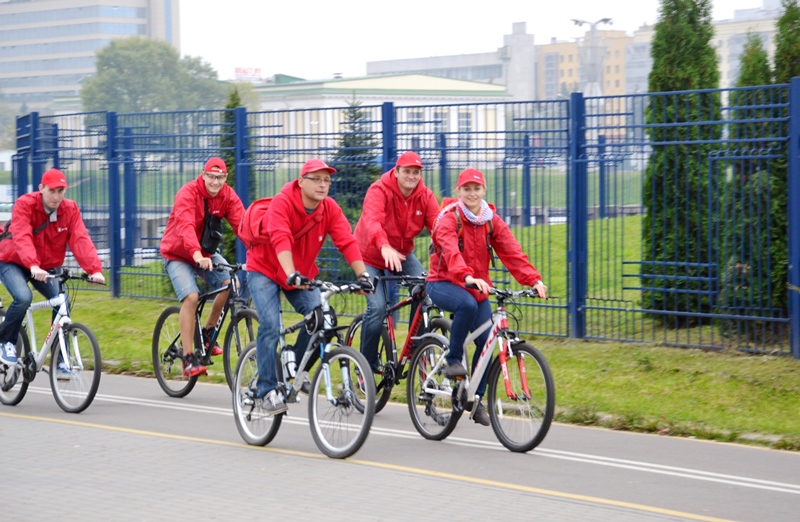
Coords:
314,39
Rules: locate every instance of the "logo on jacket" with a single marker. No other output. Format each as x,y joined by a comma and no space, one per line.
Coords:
321,238
63,229
419,212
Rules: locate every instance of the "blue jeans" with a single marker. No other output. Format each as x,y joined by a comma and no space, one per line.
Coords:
15,278
376,308
267,300
469,314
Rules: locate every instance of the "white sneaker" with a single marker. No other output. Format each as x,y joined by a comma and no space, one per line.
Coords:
8,354
273,403
64,372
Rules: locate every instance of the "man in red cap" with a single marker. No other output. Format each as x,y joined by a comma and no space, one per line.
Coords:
189,248
42,225
297,221
396,209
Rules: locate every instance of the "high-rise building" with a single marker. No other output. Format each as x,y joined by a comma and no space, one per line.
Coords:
48,47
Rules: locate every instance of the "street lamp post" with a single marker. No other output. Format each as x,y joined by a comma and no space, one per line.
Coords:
592,57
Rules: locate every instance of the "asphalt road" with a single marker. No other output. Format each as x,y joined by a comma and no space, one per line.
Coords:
136,454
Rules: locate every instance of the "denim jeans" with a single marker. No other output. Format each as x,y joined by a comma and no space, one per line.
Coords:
267,300
469,314
372,323
15,278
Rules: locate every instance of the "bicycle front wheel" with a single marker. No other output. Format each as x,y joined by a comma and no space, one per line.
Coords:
338,426
74,377
242,331
383,382
430,393
13,385
256,426
168,355
520,420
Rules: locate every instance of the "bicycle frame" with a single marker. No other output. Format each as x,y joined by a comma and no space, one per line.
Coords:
421,318
230,304
56,327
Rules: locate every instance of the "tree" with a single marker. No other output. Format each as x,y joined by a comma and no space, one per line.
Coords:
676,248
142,75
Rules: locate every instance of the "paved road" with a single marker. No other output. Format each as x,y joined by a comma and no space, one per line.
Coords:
136,454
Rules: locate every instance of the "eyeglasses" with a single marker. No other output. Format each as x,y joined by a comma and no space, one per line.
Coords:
212,177
319,181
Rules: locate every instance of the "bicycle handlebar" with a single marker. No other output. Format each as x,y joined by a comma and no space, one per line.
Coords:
404,280
223,266
508,294
64,274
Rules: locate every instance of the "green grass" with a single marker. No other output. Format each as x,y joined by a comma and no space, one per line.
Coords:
722,396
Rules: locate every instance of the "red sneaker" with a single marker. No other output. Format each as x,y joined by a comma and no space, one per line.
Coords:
215,350
192,367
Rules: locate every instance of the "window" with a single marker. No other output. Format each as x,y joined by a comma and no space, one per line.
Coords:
464,128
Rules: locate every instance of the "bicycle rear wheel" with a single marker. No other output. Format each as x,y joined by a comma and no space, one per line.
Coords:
12,384
338,427
383,386
255,425
74,380
429,393
168,355
521,421
241,331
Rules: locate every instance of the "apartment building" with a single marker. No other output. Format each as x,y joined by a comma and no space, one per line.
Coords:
48,47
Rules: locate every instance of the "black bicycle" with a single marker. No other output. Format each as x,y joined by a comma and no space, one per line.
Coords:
168,350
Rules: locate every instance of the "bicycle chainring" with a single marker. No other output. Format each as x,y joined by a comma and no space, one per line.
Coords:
29,368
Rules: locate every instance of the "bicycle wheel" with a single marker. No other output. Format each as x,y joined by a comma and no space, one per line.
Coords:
255,425
241,331
521,421
12,384
168,355
383,382
338,427
430,394
75,380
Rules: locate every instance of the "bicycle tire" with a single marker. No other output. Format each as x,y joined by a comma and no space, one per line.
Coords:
433,414
256,426
521,424
75,393
383,388
12,385
338,427
242,330
167,353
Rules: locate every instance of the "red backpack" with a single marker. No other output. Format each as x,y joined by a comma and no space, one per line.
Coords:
250,230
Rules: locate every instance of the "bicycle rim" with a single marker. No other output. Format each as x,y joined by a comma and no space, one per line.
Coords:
430,393
12,385
521,421
338,427
167,353
242,330
255,425
75,389
383,388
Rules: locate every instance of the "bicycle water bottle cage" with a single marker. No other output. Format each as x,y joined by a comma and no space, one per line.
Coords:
314,320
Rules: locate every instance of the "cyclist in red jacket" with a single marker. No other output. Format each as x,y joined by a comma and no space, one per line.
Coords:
189,248
462,257
297,222
396,209
42,225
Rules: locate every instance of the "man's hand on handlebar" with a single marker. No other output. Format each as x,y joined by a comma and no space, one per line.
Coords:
297,280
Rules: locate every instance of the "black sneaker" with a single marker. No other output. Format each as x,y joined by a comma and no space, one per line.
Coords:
213,350
480,416
455,369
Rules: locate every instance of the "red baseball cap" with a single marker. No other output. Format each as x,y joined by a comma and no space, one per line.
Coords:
314,165
215,164
409,159
54,178
470,176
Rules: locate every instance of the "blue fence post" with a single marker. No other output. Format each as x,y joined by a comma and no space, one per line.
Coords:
442,142
793,213
577,218
131,197
37,163
525,218
24,141
389,136
241,168
115,250
601,155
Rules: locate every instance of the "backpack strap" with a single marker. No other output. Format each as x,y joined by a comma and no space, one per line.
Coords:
7,232
310,224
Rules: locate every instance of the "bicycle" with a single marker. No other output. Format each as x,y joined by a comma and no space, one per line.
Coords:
75,364
340,409
520,397
393,365
167,350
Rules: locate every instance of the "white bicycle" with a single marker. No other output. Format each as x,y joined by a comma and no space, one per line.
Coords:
75,364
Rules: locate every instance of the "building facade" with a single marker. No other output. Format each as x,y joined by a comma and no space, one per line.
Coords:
47,47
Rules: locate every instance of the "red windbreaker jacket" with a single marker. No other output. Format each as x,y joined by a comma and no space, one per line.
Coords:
286,216
449,264
48,248
389,218
185,224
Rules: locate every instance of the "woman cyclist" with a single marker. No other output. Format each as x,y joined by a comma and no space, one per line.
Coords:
466,232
